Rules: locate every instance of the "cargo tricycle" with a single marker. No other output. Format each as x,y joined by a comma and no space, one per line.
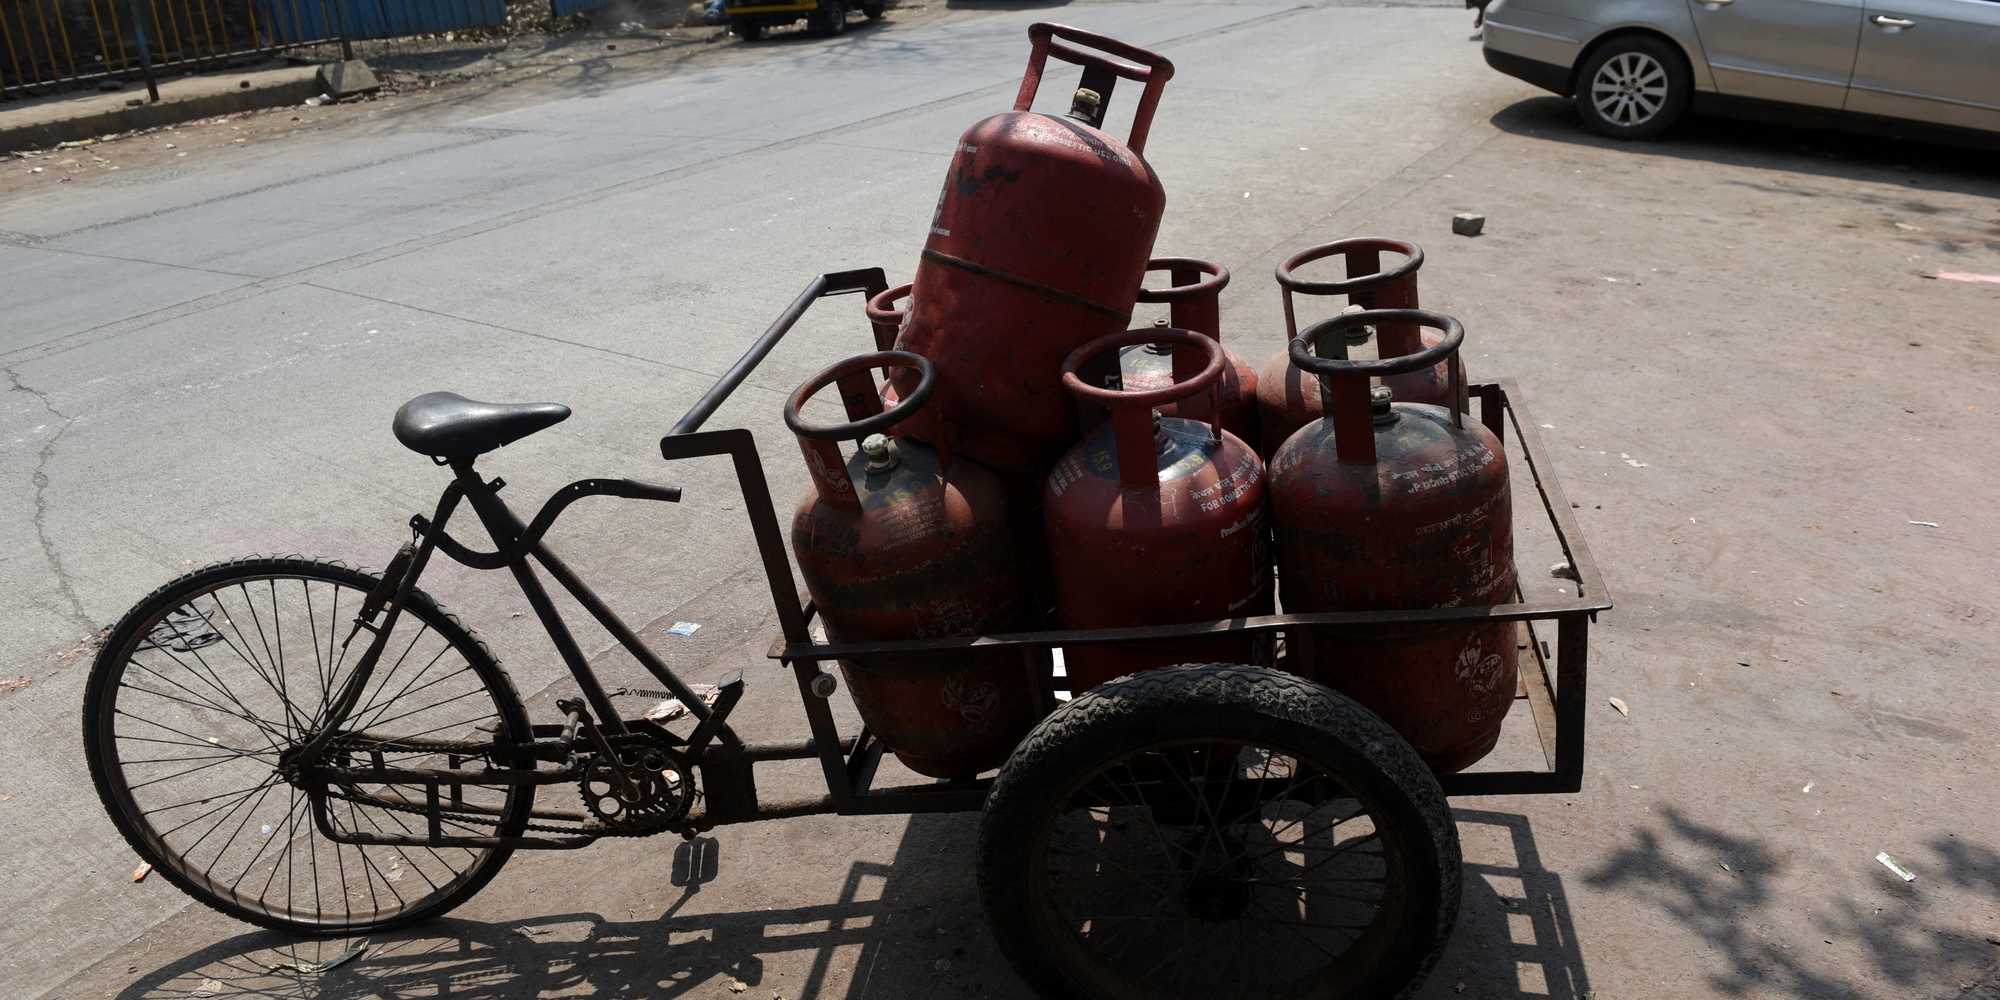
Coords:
310,746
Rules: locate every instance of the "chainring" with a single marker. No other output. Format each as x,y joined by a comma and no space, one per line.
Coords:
662,781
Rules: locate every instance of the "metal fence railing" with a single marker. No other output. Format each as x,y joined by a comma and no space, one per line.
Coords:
48,45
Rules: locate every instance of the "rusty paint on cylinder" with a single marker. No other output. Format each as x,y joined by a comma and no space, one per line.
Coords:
904,541
1398,506
1155,520
1039,243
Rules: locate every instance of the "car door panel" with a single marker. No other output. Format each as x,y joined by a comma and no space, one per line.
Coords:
1797,51
1930,60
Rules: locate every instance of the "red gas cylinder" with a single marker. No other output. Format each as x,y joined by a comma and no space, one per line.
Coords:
1023,488
1155,520
1039,244
1397,506
1195,300
1286,396
901,541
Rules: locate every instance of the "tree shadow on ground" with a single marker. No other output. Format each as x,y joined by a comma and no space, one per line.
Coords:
1723,888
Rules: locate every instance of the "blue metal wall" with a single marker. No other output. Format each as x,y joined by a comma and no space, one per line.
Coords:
564,8
289,22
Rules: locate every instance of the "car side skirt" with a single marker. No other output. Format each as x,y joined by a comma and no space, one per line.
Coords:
1547,76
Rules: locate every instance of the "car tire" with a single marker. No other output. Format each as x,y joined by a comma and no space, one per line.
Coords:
1633,87
746,29
829,20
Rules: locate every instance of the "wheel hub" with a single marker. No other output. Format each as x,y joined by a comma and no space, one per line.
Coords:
1217,896
1216,886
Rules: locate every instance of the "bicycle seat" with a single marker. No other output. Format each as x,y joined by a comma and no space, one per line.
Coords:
448,425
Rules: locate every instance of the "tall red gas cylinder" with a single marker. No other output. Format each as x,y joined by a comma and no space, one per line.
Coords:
1287,398
903,541
1391,506
1023,487
1155,520
1194,301
1038,245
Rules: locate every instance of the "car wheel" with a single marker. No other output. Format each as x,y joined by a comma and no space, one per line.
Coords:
1633,87
746,29
831,19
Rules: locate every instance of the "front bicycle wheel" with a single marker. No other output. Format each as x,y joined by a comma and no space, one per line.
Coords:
208,682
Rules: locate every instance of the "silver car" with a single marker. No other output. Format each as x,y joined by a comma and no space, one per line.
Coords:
1635,66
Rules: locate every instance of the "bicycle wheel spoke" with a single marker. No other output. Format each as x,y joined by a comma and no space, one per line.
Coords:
1253,843
191,741
235,798
239,647
210,706
373,723
208,676
383,680
202,698
182,774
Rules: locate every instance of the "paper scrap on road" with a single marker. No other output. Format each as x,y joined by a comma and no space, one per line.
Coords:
1991,279
1890,863
672,708
1619,704
684,628
1926,524
139,874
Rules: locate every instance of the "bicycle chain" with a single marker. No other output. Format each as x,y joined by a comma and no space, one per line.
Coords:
476,818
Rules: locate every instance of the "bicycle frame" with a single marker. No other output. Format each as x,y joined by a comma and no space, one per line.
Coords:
849,764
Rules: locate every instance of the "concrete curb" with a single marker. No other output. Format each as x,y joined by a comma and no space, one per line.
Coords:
169,111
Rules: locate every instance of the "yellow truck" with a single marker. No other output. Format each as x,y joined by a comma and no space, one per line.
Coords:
749,19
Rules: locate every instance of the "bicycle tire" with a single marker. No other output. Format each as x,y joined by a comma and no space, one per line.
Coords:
1132,847
165,725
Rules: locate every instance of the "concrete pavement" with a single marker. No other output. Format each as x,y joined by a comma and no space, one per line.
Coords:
204,363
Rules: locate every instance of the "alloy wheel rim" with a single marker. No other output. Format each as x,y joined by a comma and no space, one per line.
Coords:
1629,89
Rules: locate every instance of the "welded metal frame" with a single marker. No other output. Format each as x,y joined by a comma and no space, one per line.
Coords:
1556,704
849,764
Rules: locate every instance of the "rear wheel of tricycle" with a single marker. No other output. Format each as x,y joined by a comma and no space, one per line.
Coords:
1218,831
747,29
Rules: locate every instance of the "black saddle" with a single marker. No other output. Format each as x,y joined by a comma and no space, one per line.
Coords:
448,425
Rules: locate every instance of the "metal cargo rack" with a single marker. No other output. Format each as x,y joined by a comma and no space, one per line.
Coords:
1552,681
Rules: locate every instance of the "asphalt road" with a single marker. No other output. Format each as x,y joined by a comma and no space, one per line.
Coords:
1754,386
